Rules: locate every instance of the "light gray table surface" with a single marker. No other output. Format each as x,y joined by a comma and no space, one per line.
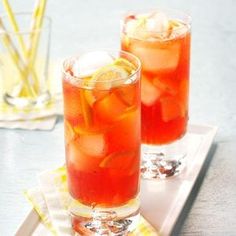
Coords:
211,209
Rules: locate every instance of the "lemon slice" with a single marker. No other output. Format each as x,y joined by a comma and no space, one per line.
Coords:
91,99
109,72
69,132
128,66
103,80
108,76
177,28
174,23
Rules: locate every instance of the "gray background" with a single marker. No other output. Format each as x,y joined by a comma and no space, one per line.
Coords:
211,209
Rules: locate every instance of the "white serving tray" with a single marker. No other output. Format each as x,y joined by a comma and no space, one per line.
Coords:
161,200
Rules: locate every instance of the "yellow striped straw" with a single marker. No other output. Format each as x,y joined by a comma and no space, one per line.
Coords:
9,45
37,21
14,24
20,39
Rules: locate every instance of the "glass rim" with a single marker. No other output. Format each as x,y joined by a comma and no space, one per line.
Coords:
111,51
134,12
26,31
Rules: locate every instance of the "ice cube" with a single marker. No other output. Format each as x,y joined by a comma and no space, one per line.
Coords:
88,63
146,26
74,155
155,59
171,109
109,108
157,23
131,26
167,85
80,160
92,144
136,28
149,93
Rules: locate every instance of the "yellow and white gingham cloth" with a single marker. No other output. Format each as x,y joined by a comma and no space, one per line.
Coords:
36,118
51,199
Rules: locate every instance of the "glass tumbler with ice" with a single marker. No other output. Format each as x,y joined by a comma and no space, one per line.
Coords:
161,39
102,141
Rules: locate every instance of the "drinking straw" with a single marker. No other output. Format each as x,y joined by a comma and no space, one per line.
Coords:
9,45
19,36
38,13
14,24
37,21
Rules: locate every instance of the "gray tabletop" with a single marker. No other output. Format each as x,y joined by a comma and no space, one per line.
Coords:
211,209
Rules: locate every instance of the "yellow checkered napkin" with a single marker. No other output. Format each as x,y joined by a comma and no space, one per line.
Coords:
51,200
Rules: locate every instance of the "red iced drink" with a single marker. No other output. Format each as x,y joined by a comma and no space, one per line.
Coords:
102,131
163,46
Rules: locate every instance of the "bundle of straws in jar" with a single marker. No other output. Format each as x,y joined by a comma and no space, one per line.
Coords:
24,82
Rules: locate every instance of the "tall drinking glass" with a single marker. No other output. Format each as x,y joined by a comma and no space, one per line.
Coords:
161,39
24,62
102,141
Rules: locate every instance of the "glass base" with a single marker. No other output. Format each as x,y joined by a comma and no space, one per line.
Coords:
24,102
163,161
118,221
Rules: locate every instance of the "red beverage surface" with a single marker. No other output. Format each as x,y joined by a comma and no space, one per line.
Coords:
164,85
102,138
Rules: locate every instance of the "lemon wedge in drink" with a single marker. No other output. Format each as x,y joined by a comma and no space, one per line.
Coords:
117,160
69,132
125,64
103,80
109,73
